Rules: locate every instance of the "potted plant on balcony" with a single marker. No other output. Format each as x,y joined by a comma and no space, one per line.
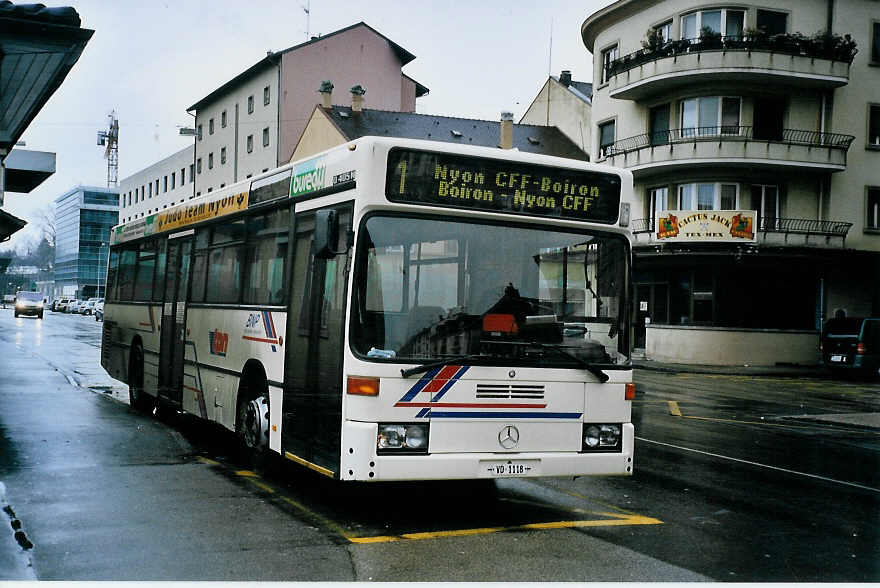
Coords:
654,43
754,38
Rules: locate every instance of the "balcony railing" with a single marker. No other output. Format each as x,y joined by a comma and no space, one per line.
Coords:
830,47
727,133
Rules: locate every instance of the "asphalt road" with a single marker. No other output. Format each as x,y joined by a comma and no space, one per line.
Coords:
734,480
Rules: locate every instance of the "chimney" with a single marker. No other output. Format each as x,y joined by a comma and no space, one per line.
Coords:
357,98
326,91
506,130
565,78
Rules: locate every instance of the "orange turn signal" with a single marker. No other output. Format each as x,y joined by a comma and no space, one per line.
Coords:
629,393
361,386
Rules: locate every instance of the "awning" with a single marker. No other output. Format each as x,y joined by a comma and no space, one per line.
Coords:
9,224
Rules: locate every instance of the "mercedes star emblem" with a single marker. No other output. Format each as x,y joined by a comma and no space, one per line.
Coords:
508,437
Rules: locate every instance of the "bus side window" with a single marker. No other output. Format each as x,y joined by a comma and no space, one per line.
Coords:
126,273
110,289
143,281
159,283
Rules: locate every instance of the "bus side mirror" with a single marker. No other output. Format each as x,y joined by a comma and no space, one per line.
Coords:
326,234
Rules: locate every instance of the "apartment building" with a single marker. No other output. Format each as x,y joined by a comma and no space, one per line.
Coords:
753,135
253,122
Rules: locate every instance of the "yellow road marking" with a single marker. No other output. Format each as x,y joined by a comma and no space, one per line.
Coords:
674,410
616,520
613,519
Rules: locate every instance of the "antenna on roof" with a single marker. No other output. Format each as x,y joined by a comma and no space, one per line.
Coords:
549,71
308,10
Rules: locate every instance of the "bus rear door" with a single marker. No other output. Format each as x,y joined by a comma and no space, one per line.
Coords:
173,338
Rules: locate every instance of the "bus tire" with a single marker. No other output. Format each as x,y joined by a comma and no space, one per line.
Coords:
137,397
252,414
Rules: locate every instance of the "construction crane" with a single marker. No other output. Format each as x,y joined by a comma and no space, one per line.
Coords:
110,140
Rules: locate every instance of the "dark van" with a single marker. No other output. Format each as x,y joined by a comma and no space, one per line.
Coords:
852,344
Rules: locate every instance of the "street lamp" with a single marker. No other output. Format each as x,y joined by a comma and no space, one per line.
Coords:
196,135
100,264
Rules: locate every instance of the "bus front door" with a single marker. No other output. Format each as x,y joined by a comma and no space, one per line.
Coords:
173,337
312,409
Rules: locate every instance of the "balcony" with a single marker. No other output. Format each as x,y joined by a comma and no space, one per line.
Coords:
792,60
770,232
729,146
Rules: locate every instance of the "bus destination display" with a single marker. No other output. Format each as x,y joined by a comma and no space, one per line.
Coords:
443,179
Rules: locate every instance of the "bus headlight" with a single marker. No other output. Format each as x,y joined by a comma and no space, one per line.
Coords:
402,438
601,437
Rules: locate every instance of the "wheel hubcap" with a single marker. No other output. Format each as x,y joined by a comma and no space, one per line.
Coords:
255,423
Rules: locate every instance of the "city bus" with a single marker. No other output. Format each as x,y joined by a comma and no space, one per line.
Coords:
390,309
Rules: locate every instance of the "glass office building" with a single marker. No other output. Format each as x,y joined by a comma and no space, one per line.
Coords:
83,219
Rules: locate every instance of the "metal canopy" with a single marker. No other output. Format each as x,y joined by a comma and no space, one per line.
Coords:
38,47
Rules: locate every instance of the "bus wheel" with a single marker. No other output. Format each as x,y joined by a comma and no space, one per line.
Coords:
139,400
252,424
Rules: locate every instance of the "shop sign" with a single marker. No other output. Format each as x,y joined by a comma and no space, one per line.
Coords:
706,225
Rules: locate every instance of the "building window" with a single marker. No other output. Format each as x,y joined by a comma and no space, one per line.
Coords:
772,22
266,96
192,172
222,155
199,165
664,31
728,23
150,191
157,186
710,115
608,55
223,119
173,175
707,196
606,137
135,196
210,161
250,143
182,176
765,200
165,184
251,104
658,201
211,126
199,132
872,219
874,126
266,137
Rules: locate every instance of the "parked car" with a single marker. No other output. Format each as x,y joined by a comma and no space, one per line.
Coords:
99,310
61,304
73,306
852,345
29,303
88,307
54,304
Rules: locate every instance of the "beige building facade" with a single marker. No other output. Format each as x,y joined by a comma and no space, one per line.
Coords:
753,135
565,104
253,122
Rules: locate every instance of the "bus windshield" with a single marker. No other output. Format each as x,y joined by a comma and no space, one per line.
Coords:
430,289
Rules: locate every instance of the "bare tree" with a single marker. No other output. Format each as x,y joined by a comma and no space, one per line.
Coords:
46,222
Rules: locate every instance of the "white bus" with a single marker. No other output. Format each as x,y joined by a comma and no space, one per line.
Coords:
391,310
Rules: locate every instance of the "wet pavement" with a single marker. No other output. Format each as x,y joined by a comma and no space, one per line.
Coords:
744,475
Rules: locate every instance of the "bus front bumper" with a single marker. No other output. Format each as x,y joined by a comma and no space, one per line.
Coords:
465,466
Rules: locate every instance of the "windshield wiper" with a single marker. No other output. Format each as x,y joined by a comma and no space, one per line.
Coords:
603,377
439,363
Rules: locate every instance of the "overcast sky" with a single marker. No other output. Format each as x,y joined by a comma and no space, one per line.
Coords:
149,61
